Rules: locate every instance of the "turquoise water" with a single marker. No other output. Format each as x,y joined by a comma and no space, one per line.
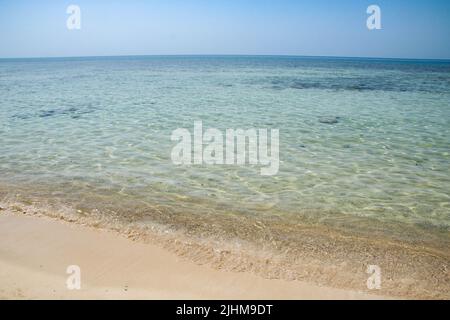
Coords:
95,132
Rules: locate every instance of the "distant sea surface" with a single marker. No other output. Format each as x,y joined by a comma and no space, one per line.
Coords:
94,134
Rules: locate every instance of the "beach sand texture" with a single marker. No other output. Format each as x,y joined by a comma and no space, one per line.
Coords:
35,253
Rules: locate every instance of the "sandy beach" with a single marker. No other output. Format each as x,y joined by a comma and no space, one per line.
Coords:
35,253
226,151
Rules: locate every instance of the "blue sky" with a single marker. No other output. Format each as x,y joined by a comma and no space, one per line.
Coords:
410,28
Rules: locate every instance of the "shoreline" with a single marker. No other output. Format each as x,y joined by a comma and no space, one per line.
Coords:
35,252
325,258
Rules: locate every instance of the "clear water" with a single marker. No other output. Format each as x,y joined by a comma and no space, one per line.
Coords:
97,130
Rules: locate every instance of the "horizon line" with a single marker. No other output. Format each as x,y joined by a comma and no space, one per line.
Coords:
224,55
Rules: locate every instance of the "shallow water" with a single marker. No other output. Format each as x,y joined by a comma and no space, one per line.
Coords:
95,132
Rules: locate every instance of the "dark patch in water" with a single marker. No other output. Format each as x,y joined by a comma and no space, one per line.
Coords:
73,112
47,113
359,83
21,116
329,120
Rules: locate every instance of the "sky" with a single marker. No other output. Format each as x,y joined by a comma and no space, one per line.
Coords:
409,28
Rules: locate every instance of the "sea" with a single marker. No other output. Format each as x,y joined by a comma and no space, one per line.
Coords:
364,152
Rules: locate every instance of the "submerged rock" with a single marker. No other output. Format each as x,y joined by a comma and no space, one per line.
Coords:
21,116
47,113
329,120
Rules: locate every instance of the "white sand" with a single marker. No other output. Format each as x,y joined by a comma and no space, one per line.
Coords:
35,252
